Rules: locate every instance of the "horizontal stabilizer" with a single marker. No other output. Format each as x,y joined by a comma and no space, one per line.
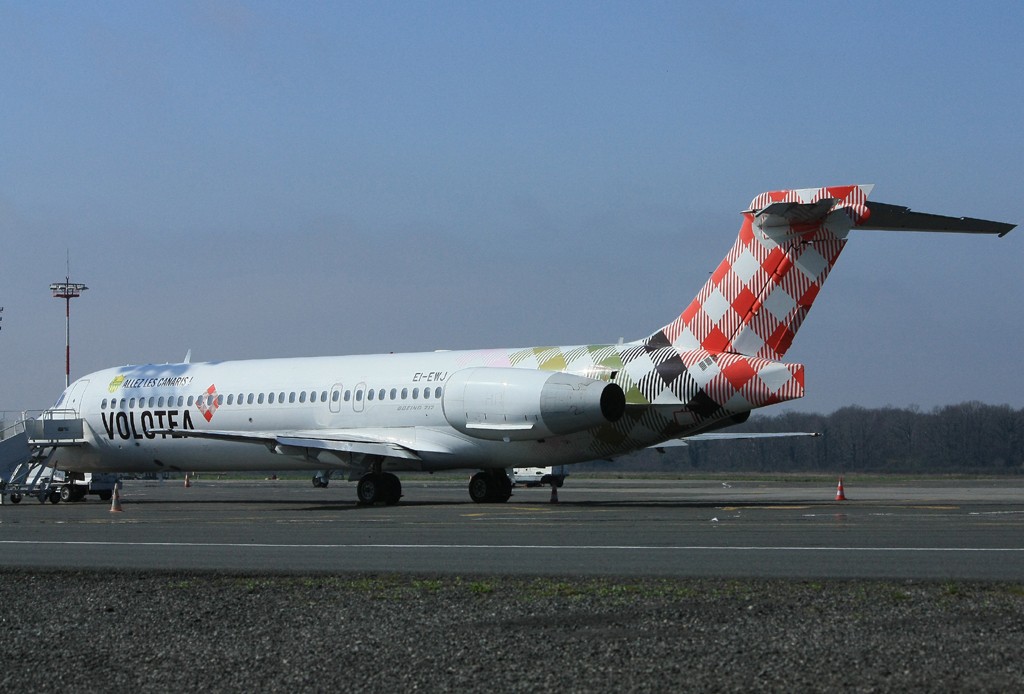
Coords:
898,218
726,436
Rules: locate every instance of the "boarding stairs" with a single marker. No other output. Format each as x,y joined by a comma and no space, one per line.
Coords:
25,450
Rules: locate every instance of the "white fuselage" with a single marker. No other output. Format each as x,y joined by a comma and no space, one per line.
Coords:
130,412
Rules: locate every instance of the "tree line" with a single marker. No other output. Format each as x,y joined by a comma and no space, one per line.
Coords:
970,437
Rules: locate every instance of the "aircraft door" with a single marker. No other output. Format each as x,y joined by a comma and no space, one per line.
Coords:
358,398
73,401
337,392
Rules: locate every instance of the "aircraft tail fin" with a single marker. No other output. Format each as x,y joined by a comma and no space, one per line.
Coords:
755,301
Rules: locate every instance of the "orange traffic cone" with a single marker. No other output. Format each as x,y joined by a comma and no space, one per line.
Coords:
839,491
554,493
115,501
188,482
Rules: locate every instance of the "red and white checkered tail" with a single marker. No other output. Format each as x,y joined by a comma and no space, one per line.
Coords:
755,301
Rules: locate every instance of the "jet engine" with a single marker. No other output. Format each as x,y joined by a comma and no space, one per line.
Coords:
526,404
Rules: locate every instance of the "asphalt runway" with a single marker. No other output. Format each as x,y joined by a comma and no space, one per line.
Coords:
957,530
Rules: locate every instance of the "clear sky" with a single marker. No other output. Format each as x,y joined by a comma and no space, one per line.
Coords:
256,179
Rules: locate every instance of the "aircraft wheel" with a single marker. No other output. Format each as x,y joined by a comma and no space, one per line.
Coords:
370,489
106,495
480,487
490,486
503,487
317,482
15,498
392,488
54,496
66,493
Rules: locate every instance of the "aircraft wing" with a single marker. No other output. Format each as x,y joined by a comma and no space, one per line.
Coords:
354,441
721,436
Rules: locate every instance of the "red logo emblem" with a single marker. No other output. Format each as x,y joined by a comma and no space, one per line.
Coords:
208,404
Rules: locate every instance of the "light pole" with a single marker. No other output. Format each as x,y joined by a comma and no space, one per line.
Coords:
67,290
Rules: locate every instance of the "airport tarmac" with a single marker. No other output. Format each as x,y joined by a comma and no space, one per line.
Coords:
963,530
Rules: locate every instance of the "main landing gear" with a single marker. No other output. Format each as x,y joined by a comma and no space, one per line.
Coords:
379,486
490,486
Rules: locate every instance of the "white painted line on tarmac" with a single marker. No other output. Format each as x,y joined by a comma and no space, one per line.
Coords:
645,548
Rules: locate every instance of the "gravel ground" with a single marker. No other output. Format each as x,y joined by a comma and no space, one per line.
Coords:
164,631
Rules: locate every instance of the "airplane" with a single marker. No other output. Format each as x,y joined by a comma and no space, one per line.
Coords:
371,416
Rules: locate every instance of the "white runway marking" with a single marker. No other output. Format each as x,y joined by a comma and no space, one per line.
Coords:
740,548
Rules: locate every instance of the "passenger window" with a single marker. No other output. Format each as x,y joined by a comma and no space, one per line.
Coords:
103,405
359,396
405,393
302,396
220,400
335,396
415,393
231,399
291,396
259,400
270,399
131,404
280,398
369,395
323,396
394,393
248,399
426,393
348,395
437,392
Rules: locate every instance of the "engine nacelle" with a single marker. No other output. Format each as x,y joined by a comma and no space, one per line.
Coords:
526,405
